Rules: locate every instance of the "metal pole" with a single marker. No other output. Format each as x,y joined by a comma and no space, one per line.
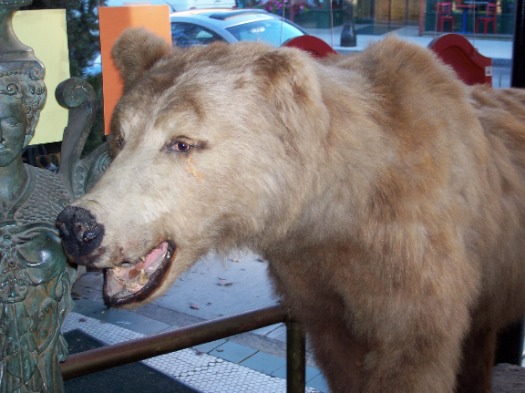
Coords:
518,53
510,341
510,345
295,358
134,350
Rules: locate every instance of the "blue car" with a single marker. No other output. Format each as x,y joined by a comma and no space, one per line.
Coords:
202,27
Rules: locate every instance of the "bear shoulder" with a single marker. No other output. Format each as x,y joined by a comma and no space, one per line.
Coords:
393,64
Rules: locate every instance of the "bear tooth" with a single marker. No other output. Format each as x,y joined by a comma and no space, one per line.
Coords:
143,277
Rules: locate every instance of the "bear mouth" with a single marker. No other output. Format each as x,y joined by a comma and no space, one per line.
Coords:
133,283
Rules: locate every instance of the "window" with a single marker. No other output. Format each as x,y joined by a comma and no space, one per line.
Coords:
272,31
187,34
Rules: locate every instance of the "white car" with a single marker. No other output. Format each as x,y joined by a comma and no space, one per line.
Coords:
202,27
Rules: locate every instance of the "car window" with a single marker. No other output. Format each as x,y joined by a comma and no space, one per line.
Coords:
271,31
187,34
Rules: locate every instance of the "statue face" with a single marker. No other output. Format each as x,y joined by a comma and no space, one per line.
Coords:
13,123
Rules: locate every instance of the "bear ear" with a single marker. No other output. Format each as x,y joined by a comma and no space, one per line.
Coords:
136,51
275,65
288,77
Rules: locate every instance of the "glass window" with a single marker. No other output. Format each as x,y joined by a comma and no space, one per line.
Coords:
271,31
187,34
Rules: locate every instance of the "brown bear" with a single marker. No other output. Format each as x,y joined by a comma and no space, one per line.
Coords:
387,196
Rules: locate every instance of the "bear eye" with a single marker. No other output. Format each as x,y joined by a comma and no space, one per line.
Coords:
179,146
182,146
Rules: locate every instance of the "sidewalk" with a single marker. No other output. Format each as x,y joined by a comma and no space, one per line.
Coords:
252,362
499,49
496,48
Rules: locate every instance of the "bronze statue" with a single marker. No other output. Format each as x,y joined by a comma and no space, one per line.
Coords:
35,278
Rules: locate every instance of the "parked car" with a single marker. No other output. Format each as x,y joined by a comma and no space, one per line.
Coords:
176,5
202,27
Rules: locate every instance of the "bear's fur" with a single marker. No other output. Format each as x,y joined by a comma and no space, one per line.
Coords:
387,196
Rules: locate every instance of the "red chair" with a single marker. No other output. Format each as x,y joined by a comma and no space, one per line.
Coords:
489,17
444,15
470,65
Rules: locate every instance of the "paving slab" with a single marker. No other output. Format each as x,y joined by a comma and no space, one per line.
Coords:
215,287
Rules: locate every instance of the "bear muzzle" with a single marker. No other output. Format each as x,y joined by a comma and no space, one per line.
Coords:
125,282
81,234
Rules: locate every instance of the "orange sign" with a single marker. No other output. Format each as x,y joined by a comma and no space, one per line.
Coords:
113,21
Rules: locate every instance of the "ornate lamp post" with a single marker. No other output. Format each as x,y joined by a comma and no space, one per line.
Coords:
35,279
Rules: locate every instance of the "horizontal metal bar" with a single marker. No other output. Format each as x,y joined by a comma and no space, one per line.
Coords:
134,350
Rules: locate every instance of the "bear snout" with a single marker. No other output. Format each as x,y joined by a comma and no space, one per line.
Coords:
80,232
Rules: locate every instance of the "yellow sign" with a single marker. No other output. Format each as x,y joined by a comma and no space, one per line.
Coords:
45,31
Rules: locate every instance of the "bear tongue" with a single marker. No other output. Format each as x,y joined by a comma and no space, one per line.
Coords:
150,260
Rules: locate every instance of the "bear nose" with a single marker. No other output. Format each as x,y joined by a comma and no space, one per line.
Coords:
80,232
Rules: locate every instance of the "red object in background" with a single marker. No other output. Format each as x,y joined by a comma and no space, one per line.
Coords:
456,51
315,46
489,17
444,15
